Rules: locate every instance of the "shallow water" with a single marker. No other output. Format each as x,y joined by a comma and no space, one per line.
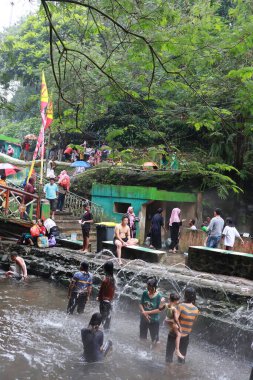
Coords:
39,341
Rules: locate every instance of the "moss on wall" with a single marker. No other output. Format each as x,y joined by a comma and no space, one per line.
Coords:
162,180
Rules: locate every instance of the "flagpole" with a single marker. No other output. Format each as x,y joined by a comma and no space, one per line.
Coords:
42,155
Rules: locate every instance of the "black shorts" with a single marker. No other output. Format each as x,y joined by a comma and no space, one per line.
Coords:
124,239
86,233
53,204
171,345
153,328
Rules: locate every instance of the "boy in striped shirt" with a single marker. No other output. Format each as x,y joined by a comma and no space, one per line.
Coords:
188,313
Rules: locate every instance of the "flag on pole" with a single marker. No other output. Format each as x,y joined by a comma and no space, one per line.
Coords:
50,115
43,93
40,142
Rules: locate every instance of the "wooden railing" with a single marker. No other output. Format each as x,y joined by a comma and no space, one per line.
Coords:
12,204
73,202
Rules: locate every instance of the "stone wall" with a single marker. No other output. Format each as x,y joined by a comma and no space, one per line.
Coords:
218,261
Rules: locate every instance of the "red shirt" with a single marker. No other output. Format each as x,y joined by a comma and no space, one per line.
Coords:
107,290
26,146
29,189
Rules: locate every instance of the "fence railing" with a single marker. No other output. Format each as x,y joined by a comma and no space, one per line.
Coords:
12,203
73,204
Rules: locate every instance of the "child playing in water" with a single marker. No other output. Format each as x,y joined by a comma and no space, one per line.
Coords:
172,319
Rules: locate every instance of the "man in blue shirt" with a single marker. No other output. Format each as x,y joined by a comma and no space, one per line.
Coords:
80,289
51,191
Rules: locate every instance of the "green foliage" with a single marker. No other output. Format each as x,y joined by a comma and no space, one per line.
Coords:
143,74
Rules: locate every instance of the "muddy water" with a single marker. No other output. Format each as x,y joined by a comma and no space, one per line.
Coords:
39,341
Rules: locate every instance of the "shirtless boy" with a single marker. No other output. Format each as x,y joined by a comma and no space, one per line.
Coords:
122,236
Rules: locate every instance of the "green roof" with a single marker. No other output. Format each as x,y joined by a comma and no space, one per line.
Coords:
9,139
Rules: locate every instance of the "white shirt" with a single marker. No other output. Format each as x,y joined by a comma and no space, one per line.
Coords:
230,234
193,227
49,223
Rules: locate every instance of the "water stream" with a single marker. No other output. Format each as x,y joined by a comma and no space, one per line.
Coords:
39,341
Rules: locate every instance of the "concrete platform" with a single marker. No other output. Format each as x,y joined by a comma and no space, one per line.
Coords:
71,244
219,261
136,252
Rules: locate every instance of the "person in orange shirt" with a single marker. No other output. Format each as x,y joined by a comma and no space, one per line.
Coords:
188,314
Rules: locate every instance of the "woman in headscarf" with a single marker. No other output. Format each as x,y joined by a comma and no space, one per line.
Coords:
175,223
132,220
63,188
155,231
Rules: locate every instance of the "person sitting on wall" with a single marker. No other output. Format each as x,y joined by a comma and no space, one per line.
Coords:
122,237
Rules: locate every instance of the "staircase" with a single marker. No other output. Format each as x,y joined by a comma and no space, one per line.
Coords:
68,224
67,220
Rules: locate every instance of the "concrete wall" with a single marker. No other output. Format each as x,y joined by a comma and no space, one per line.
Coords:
145,201
218,261
197,238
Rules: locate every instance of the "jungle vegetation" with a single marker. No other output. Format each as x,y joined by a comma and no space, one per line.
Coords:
136,74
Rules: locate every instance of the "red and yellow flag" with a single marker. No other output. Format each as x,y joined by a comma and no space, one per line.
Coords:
43,93
50,115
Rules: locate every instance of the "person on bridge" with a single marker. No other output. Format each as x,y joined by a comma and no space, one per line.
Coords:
122,237
51,191
29,188
80,289
18,271
63,188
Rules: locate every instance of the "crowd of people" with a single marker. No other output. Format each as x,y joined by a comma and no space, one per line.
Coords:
179,316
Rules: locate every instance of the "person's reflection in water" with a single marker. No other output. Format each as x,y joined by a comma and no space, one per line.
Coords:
93,339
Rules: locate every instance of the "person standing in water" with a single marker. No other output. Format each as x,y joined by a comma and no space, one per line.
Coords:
19,270
188,314
122,237
106,294
157,222
151,300
80,289
93,339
